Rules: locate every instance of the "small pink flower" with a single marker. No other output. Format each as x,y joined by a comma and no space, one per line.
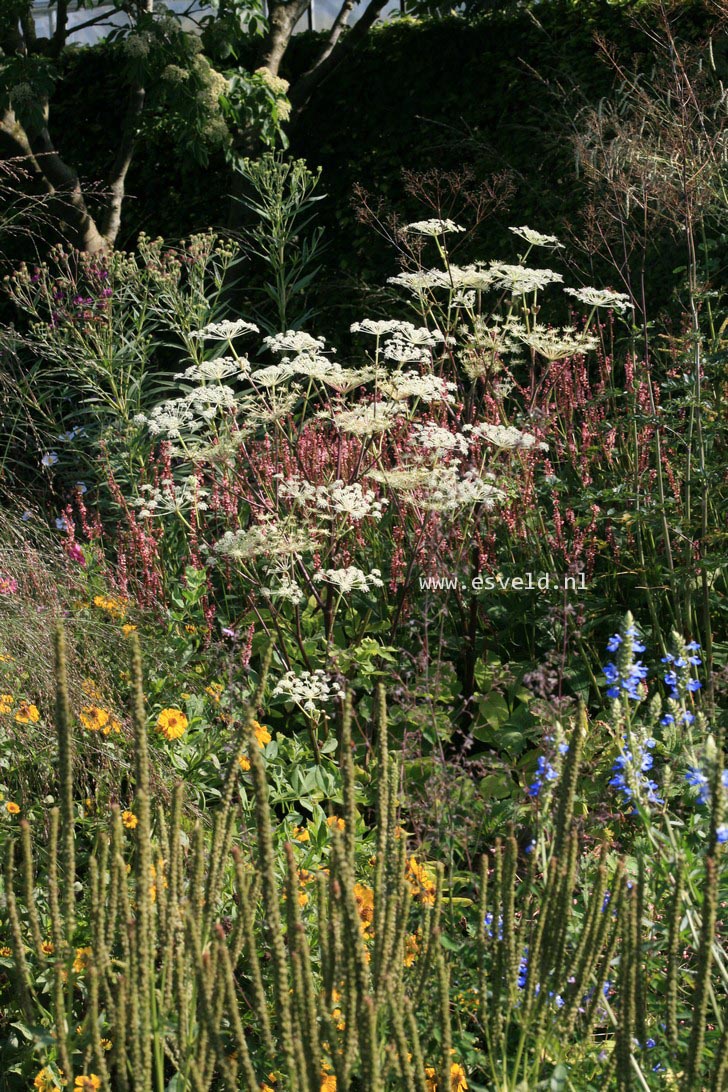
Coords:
75,553
8,584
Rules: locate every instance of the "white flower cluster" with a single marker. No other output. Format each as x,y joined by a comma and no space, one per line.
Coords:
285,588
225,331
555,343
535,238
350,579
295,341
175,498
308,689
339,498
446,491
265,539
519,279
601,297
400,331
187,414
367,420
428,388
216,370
433,227
440,441
506,437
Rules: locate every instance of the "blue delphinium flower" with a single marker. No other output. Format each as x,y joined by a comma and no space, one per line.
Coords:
627,674
629,769
523,970
698,780
721,834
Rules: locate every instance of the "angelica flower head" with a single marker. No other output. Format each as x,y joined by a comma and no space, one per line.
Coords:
433,227
601,297
225,331
295,341
535,238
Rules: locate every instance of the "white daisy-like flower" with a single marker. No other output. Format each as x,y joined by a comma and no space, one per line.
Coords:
519,279
350,579
535,238
601,297
225,331
433,227
295,341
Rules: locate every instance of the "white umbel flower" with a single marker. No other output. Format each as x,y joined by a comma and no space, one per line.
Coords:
433,227
428,388
225,331
350,579
294,341
519,279
220,368
507,437
308,689
265,539
367,420
535,238
601,297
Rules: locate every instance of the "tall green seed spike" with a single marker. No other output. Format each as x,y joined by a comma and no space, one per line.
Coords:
271,902
54,893
720,1074
510,865
64,733
418,1061
566,790
369,1046
118,1044
626,1024
346,762
400,1039
702,978
250,1083
60,1023
31,908
443,1013
245,903
639,970
22,975
205,985
98,1053
673,956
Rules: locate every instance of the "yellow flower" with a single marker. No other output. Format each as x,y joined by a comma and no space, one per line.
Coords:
93,717
91,689
47,947
129,819
411,948
244,762
27,714
261,733
328,1082
87,1083
214,690
302,898
46,1080
365,904
12,808
300,834
431,1078
127,628
335,823
5,659
105,1043
115,607
5,952
458,1082
172,723
113,726
421,881
6,703
81,960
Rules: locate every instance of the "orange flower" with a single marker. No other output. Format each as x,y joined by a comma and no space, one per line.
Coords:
244,762
411,948
365,904
112,726
93,717
12,808
88,1083
81,959
129,819
127,628
458,1083
300,834
172,723
335,823
261,733
6,703
27,714
421,881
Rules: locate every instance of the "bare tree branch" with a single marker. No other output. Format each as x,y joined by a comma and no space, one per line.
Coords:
117,179
282,18
330,59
